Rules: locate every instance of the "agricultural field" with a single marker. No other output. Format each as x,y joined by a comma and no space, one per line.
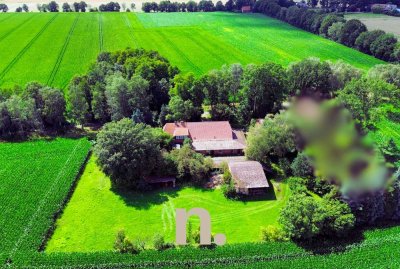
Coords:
378,22
52,48
35,180
96,213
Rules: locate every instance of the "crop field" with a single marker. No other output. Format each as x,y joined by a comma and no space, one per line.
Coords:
35,179
52,48
377,22
96,213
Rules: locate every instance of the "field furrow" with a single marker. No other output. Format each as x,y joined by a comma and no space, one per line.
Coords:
61,54
101,37
12,30
26,48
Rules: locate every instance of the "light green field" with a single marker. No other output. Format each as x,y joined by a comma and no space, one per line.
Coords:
95,214
51,48
389,24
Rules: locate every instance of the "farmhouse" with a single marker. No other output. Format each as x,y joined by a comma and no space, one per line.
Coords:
249,177
215,138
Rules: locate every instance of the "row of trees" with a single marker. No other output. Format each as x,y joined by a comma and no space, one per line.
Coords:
346,5
192,6
352,33
82,7
35,108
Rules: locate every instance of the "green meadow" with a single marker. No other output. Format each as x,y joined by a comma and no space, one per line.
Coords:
52,47
96,213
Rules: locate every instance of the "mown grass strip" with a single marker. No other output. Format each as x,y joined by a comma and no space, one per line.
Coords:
22,52
62,52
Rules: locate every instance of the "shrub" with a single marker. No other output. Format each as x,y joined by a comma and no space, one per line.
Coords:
273,234
301,166
384,46
350,32
123,245
160,244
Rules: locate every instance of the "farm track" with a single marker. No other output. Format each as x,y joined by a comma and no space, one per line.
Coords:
101,38
6,18
62,52
25,49
179,51
129,24
42,203
15,28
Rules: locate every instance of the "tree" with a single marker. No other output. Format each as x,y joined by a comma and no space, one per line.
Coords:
66,7
52,107
192,6
18,9
350,32
146,7
384,46
53,6
265,87
301,166
342,73
180,110
365,39
274,138
3,7
335,30
25,7
327,22
310,77
219,6
125,96
77,6
82,6
78,106
133,6
127,152
386,72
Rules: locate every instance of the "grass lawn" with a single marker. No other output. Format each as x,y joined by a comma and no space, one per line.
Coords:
95,213
378,21
52,48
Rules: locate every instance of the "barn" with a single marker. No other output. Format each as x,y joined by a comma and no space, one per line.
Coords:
249,177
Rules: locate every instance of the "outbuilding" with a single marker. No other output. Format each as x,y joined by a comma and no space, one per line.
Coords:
249,177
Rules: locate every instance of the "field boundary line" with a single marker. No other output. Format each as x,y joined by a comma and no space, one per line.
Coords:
129,24
22,52
60,57
42,203
15,28
101,38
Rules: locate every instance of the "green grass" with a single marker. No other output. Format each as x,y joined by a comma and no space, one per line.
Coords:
52,48
35,178
95,213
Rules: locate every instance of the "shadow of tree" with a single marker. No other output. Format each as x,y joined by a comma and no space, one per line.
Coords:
143,200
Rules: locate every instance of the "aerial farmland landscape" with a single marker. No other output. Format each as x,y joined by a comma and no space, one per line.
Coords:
235,134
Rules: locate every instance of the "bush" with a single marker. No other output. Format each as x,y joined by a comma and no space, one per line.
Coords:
123,245
384,46
301,166
160,244
273,234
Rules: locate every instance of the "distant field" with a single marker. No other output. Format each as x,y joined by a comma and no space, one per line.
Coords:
96,213
51,48
35,178
373,21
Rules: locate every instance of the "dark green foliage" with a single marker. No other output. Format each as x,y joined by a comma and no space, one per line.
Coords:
301,166
127,152
327,22
350,32
384,46
310,77
306,218
365,39
123,245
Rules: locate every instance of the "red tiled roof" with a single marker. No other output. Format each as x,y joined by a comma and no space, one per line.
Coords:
207,130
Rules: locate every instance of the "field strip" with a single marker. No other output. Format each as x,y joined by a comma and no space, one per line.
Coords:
16,28
22,52
43,202
128,23
180,52
62,52
101,38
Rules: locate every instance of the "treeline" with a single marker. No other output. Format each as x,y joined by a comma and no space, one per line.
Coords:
36,108
352,33
83,7
387,9
192,6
